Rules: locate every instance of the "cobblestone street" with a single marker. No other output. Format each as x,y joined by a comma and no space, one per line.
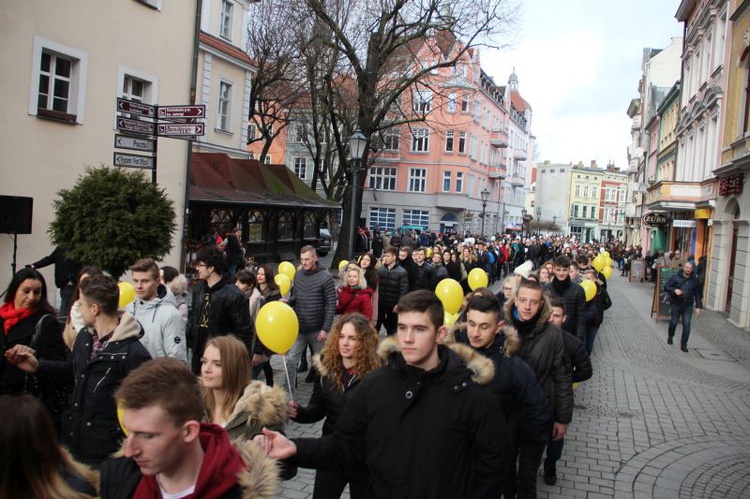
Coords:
653,421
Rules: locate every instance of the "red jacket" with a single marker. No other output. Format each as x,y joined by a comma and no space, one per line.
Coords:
355,300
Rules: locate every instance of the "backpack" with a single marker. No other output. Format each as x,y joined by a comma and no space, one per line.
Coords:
492,257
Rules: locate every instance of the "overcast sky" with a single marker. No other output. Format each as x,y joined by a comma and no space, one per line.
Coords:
578,64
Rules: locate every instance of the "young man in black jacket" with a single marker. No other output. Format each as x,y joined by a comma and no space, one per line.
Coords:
219,308
423,424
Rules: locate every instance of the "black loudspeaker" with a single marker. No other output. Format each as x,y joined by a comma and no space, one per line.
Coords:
15,214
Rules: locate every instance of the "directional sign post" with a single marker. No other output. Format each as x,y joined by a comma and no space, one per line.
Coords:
135,143
179,112
135,126
136,108
134,161
180,129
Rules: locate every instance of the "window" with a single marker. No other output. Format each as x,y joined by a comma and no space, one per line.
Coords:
391,139
594,214
452,101
383,178
420,140
420,218
300,133
474,146
459,182
136,86
225,30
449,141
446,181
422,101
585,191
585,210
593,192
746,108
300,167
57,82
477,110
417,180
462,142
575,211
384,218
267,159
133,89
225,102
578,190
252,131
465,103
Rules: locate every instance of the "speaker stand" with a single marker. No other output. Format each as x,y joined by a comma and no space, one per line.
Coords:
15,252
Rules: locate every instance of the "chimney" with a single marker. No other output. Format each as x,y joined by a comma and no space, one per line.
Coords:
593,164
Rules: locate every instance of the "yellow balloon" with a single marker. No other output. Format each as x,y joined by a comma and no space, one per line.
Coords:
590,288
451,294
127,293
598,263
120,413
606,254
287,269
607,262
343,264
478,279
449,319
428,253
283,282
607,272
277,326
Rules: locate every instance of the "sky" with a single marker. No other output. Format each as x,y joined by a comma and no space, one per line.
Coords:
578,64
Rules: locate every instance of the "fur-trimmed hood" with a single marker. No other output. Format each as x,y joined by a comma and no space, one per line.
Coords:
260,479
481,367
511,342
260,406
544,315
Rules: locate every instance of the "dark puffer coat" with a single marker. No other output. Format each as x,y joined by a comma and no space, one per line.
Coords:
314,299
514,384
543,349
435,434
574,297
394,283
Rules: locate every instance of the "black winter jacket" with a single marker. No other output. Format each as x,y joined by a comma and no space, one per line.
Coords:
90,427
525,405
543,349
435,434
580,362
314,299
574,297
66,270
394,283
228,312
690,287
426,278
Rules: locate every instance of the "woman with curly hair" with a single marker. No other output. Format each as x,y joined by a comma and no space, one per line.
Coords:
350,353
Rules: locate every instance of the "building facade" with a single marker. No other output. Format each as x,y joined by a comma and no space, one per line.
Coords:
70,62
553,187
728,277
585,191
613,197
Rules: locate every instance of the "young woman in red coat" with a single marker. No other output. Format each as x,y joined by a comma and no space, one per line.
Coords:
355,296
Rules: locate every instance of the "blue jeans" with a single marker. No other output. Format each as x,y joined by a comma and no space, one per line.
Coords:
686,312
294,355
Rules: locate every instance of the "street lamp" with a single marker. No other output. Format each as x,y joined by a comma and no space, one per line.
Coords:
523,223
538,219
357,143
485,196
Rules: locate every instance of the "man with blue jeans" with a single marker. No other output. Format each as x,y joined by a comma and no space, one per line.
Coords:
685,290
314,301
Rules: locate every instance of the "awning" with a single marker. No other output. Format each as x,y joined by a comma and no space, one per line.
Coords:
219,179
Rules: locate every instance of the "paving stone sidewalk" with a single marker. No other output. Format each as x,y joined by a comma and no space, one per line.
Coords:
653,421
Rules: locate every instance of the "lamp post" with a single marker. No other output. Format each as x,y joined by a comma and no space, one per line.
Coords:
357,143
538,219
523,223
485,196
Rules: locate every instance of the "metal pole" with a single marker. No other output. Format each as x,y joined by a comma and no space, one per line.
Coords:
484,212
352,211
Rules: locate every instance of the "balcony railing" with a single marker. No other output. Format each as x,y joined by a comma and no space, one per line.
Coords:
520,154
516,180
498,170
499,138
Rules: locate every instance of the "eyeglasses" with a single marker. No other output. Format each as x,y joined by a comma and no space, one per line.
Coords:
200,265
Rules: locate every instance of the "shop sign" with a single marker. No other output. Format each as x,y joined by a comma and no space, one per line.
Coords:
732,184
655,219
683,224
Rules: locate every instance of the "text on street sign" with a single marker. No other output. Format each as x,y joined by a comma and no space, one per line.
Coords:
135,126
198,111
135,143
134,161
134,107
168,129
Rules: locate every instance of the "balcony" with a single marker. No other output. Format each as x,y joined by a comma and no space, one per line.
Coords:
498,170
669,195
520,154
499,138
515,180
450,201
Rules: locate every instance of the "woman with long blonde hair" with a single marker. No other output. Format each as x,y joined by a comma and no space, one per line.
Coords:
350,353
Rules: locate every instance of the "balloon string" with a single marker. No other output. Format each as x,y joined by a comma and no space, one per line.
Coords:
288,380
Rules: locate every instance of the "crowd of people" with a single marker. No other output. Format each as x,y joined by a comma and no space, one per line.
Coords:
157,399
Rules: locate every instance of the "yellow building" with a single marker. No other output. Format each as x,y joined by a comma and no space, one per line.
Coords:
585,194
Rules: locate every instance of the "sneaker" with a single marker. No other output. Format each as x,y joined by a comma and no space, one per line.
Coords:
550,474
684,348
669,340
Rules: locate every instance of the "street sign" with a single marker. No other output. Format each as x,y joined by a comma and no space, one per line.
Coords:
135,143
135,126
134,107
134,161
178,129
170,112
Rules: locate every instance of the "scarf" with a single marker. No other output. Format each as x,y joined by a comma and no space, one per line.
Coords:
12,315
560,287
524,327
